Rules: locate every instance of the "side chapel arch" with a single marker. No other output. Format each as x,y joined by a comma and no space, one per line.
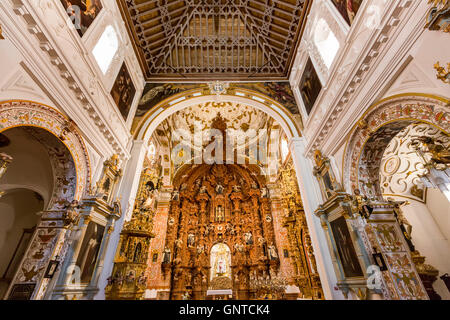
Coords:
21,113
376,128
70,183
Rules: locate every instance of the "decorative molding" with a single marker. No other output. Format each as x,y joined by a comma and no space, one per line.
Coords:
89,92
348,72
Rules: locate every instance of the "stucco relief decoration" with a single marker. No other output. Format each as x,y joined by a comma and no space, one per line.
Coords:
401,166
374,132
404,277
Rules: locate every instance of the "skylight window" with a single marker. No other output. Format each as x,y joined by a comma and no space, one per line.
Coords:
326,42
106,48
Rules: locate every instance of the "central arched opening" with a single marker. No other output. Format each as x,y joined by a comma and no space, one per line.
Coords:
213,180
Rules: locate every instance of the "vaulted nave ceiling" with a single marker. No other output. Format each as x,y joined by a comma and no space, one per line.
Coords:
210,39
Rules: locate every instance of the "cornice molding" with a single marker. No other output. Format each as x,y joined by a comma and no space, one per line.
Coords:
354,80
116,138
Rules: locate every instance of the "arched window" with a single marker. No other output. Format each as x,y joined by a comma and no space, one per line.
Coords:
326,42
106,48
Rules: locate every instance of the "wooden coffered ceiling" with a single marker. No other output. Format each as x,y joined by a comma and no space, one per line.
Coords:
215,39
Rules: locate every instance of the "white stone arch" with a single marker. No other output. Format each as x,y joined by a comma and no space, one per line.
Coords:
163,110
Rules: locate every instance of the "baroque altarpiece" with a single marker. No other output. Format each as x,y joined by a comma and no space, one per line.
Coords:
223,206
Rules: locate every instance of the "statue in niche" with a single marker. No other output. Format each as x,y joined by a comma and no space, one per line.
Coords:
254,185
248,237
219,189
202,189
200,249
272,252
405,226
166,258
198,182
220,214
264,192
191,240
236,188
179,243
176,195
239,247
183,187
229,228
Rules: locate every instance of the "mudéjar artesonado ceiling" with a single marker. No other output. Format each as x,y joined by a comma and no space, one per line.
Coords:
211,39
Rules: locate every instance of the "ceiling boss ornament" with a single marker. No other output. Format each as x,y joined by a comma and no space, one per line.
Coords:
218,87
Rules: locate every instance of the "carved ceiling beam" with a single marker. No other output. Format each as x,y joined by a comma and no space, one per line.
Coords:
176,33
148,30
252,26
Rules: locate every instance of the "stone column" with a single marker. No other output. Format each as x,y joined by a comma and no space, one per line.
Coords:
312,198
127,191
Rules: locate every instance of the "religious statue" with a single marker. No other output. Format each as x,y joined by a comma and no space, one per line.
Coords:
166,258
272,252
191,240
360,204
71,212
202,189
219,188
220,215
183,187
248,237
264,192
200,249
239,247
229,227
405,226
179,243
142,279
236,188
176,195
440,154
254,185
186,296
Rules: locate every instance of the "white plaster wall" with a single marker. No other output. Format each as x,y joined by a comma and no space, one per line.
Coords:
15,83
439,207
419,74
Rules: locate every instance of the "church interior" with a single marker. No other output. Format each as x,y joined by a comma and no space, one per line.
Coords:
225,150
